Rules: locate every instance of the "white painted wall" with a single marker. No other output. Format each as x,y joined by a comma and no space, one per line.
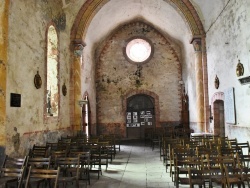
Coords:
228,41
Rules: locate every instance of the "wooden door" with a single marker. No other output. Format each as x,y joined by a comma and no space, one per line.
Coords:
140,114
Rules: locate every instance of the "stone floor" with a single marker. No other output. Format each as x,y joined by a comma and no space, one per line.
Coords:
135,166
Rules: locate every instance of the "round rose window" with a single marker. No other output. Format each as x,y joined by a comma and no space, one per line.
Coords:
138,50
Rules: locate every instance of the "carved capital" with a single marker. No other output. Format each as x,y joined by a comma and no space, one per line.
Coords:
196,41
77,47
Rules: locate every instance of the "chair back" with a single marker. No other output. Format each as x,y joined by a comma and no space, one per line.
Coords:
43,173
39,162
10,162
69,167
8,173
38,151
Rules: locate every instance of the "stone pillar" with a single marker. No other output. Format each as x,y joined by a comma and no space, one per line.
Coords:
4,9
199,84
205,85
76,85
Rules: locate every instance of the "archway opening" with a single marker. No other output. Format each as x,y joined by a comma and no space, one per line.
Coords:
219,118
140,114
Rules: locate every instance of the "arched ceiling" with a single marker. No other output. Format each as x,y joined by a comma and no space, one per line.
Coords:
176,19
158,13
91,8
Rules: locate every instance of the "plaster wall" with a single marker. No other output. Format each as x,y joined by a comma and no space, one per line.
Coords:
115,76
228,41
26,125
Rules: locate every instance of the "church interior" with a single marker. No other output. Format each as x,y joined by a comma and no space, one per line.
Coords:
122,67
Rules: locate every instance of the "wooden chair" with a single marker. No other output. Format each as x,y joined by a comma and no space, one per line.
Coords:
50,175
245,147
233,176
166,148
69,170
56,154
244,162
11,162
181,163
104,153
173,149
12,176
156,137
38,163
198,177
95,159
84,164
38,151
216,165
52,146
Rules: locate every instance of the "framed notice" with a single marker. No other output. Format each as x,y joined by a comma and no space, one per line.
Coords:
230,106
15,100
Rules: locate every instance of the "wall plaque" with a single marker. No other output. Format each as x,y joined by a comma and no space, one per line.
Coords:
230,106
15,100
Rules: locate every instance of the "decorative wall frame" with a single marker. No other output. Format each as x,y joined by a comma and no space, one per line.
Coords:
37,80
64,90
216,82
239,69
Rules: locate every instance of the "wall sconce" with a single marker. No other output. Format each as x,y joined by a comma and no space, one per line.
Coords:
216,82
210,114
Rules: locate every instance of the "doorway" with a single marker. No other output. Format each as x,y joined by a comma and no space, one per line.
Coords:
140,114
219,118
86,117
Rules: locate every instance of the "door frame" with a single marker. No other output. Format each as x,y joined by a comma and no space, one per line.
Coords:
142,92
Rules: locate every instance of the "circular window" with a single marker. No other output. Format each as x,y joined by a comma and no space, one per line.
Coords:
138,50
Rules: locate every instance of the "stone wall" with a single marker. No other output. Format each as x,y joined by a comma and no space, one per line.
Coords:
115,76
228,41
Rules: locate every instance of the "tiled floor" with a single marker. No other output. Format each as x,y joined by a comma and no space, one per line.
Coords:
135,166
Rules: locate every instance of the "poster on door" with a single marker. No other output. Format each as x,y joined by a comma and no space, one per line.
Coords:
146,118
132,119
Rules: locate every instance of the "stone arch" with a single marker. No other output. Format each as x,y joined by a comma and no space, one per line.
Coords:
146,92
217,96
91,7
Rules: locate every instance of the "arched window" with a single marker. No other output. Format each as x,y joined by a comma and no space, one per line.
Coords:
52,86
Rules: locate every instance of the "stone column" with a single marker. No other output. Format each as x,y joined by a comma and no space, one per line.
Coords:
76,86
205,85
4,9
199,84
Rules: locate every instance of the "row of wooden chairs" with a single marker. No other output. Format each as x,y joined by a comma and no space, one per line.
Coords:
102,149
223,170
30,171
173,149
154,135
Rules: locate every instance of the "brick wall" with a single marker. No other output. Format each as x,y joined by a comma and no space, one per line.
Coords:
115,78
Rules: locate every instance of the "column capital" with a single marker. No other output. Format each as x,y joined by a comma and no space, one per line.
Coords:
77,47
196,41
